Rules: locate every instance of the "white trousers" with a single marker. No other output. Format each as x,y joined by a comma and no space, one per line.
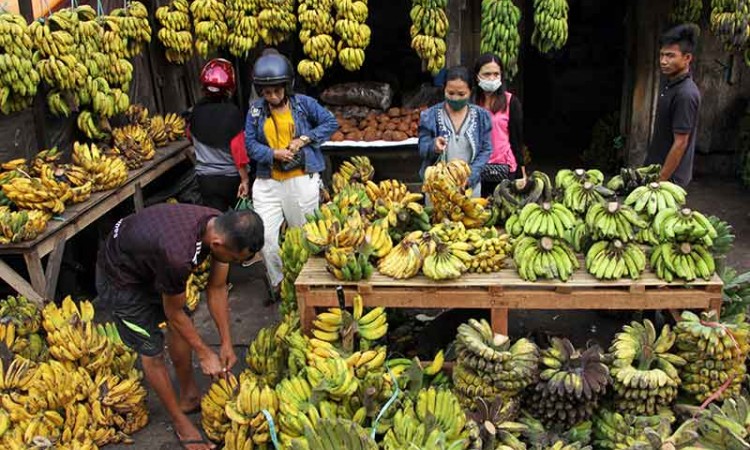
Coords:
275,201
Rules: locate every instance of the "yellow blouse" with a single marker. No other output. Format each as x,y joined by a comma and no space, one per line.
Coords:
279,131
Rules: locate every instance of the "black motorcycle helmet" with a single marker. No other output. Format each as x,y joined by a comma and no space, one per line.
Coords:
273,69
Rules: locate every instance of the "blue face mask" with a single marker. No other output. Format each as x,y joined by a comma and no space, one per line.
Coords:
457,104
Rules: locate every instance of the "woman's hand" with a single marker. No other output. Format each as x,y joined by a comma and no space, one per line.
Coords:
440,144
283,155
243,191
296,144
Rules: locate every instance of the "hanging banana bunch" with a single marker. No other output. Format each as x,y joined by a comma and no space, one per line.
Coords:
55,55
428,31
209,23
686,11
730,21
276,20
500,19
316,37
354,33
242,20
550,24
175,32
18,76
134,27
117,70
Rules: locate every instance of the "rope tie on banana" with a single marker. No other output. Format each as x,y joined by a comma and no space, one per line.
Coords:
729,380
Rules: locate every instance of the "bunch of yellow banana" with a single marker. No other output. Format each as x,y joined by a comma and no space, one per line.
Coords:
246,413
18,226
214,418
87,31
357,169
354,34
316,25
266,355
242,20
347,264
500,20
134,143
378,239
196,283
449,261
34,194
134,27
174,124
390,191
295,409
137,114
729,22
367,361
19,78
176,33
157,131
444,183
611,260
715,352
333,376
544,258
81,193
644,373
428,32
489,249
276,20
94,128
124,358
550,25
404,260
319,233
211,30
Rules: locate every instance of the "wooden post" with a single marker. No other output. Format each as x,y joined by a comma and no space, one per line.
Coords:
36,271
53,268
453,54
18,283
138,198
500,320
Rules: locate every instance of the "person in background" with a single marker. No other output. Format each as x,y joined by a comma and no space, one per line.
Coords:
216,128
676,122
506,160
283,133
456,129
141,273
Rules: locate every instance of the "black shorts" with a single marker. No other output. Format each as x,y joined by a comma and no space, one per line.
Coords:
137,315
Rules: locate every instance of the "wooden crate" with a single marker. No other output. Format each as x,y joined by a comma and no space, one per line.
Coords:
503,291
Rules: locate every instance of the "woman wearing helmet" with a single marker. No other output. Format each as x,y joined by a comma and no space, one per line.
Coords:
283,135
217,130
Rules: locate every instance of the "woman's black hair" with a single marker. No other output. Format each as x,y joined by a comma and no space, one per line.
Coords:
499,101
459,73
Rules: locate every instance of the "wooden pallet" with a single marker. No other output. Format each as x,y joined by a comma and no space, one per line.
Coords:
503,291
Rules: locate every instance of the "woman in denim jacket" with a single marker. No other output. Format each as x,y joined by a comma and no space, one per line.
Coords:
456,129
283,133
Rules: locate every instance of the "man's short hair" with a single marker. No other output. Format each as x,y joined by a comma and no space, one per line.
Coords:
685,36
241,230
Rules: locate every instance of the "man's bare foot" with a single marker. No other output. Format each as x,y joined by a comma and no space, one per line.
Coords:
189,436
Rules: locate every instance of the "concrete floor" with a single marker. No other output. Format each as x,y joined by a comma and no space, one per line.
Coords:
727,200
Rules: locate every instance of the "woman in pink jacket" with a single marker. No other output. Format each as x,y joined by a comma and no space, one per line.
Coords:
506,160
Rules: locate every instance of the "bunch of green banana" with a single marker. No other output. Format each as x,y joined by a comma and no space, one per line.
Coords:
175,33
276,20
556,437
547,219
491,424
684,225
242,22
550,25
333,433
656,196
580,197
578,237
124,358
686,11
353,196
644,373
729,21
23,314
266,355
23,225
357,170
647,236
500,20
630,178
488,365
489,249
354,34
296,411
134,27
725,426
209,25
448,261
95,128
682,260
715,352
19,78
294,255
317,26
402,218
246,410
613,221
429,30
512,196
724,240
346,264
571,384
614,431
445,184
544,258
333,376
611,260
567,177
214,418
55,57
404,260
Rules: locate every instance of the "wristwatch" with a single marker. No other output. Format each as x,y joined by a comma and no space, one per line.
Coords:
305,139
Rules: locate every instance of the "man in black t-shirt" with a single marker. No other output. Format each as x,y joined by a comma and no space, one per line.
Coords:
142,272
673,142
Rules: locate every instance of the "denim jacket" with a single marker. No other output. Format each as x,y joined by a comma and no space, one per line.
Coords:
479,138
310,119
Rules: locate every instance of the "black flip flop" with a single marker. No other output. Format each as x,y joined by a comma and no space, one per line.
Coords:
195,410
186,443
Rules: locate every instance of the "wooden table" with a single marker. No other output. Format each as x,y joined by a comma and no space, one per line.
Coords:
76,218
502,291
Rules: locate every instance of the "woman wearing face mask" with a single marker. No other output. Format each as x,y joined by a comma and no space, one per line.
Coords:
506,160
456,129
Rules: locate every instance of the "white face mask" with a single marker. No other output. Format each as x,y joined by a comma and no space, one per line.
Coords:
490,85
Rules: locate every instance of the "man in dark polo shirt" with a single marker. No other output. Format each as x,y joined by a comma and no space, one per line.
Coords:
673,142
142,270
